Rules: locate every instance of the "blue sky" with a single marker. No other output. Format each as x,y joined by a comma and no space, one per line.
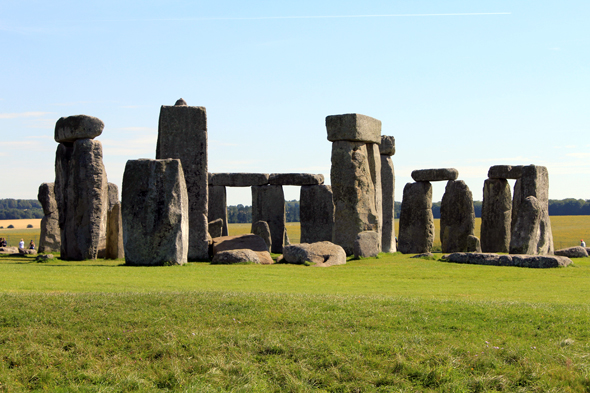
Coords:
463,84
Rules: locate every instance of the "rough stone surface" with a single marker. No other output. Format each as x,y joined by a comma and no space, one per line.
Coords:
441,174
322,254
425,255
473,244
316,213
261,229
295,179
182,134
235,256
496,216
532,261
366,244
249,242
50,237
8,250
81,192
356,187
387,146
388,209
238,179
72,128
416,223
27,251
505,172
353,127
457,217
44,257
114,239
216,228
572,252
155,212
218,206
180,102
268,204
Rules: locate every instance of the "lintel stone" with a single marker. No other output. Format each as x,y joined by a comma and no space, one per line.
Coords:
295,179
505,172
238,179
442,174
72,128
353,127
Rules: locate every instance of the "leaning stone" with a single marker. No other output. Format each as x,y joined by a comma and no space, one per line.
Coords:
366,244
155,213
72,128
286,241
295,179
250,242
235,256
353,127
505,172
238,179
496,215
218,206
322,254
50,236
387,146
457,217
473,244
441,174
416,223
388,204
268,204
572,252
260,228
316,213
216,228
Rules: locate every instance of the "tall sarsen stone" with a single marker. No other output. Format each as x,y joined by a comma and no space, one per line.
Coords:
416,223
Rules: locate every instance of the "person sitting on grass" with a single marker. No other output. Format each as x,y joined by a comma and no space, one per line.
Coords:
31,245
3,242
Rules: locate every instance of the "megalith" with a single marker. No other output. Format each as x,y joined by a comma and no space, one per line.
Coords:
218,206
155,212
316,213
49,240
457,218
416,223
182,134
387,149
114,239
268,204
261,229
496,215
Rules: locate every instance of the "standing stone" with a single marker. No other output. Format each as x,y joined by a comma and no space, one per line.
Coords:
496,216
268,204
81,191
457,217
49,240
525,228
260,228
366,244
218,206
388,194
216,228
316,213
416,223
155,213
182,134
114,246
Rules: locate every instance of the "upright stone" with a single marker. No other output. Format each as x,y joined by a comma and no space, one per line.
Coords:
416,223
155,213
49,240
268,204
261,229
457,217
387,149
218,206
316,213
182,134
496,216
114,241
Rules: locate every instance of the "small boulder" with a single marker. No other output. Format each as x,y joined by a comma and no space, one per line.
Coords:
241,242
323,254
572,252
22,251
44,257
366,244
235,256
473,244
8,250
216,227
260,228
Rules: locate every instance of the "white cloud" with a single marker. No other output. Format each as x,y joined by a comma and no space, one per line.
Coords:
578,155
22,114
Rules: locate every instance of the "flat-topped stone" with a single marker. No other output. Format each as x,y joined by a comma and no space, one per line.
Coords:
353,127
532,261
572,252
238,179
295,179
505,172
441,174
72,128
387,146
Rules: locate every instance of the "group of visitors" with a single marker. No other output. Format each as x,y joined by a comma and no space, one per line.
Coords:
21,245
3,242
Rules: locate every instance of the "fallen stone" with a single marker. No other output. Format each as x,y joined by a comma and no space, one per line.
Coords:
238,179
268,204
235,256
322,254
496,216
295,179
424,255
261,229
572,252
441,174
250,242
72,128
388,204
416,223
27,252
457,217
366,244
50,236
8,250
353,127
216,228
316,213
387,146
531,261
505,172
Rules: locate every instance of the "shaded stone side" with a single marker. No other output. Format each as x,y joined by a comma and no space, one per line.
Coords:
182,134
375,165
268,204
353,127
316,213
218,206
388,203
416,223
155,213
50,237
496,215
238,179
114,247
295,179
457,217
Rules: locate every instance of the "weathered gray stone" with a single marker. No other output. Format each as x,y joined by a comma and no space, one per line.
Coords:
295,179
525,230
261,229
23,251
238,179
72,128
353,127
180,102
572,252
218,206
114,244
8,250
457,217
50,237
322,254
424,255
388,193
182,134
416,223
366,244
268,204
44,257
249,242
216,228
316,213
531,261
440,174
496,215
505,172
155,212
81,192
235,256
387,146
473,244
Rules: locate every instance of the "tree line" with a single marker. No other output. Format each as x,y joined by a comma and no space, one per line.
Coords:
15,209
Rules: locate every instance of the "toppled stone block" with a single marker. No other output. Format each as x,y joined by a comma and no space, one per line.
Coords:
230,257
322,254
505,172
241,242
238,179
353,127
316,213
295,179
441,174
72,128
531,261
387,146
572,252
366,244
